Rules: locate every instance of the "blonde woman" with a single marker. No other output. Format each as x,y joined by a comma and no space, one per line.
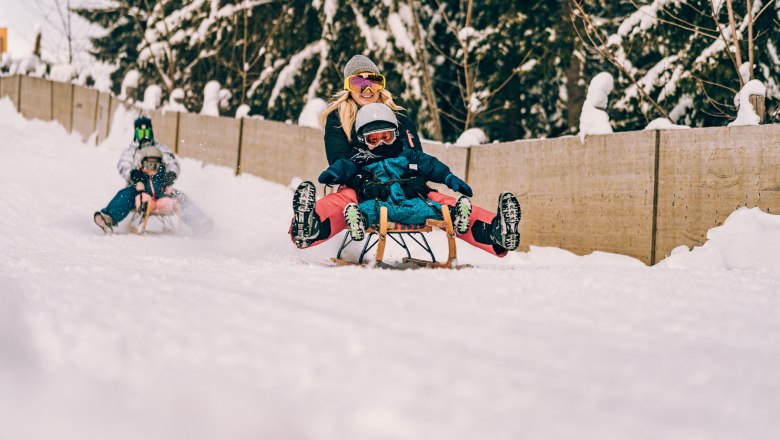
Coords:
315,221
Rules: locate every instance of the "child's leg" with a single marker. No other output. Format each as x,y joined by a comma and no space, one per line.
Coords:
121,205
480,218
330,210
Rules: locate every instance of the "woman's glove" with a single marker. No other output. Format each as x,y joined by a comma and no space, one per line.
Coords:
328,177
454,183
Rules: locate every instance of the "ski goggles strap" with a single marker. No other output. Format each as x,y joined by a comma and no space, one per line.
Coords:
374,138
359,82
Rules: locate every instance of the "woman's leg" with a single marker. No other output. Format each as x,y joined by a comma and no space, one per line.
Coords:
480,220
330,212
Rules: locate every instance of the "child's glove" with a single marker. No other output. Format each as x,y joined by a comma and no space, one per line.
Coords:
137,176
454,183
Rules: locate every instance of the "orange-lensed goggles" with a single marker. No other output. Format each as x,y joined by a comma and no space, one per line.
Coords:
359,82
375,138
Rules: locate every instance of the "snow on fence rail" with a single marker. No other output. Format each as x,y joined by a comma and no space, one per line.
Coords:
635,193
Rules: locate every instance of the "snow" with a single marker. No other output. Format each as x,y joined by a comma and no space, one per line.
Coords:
175,102
152,98
664,124
292,69
239,335
594,118
211,98
310,115
130,81
746,114
63,73
472,136
402,38
747,240
243,111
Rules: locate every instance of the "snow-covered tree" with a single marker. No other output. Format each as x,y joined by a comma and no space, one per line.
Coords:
682,58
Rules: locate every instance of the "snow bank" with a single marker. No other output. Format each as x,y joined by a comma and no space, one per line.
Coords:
594,118
748,239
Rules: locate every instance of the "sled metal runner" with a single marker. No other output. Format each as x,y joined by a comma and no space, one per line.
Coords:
397,232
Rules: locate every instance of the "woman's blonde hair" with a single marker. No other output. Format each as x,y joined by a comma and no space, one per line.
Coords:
347,108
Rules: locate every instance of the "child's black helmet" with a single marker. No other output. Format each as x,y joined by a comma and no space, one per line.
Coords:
143,130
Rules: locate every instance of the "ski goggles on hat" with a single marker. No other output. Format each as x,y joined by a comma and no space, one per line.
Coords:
359,82
143,133
374,138
152,165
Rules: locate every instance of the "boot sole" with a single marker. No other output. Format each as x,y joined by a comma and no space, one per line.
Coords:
304,200
510,219
461,220
357,228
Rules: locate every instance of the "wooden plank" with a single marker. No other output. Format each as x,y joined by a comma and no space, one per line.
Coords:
84,111
581,197
211,139
103,116
10,88
36,98
165,127
280,152
62,104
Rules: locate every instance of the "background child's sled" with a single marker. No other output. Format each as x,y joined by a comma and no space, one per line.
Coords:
164,210
396,231
169,212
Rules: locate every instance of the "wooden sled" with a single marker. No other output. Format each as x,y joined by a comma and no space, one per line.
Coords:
397,231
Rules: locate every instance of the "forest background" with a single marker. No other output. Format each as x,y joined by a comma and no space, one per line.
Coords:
516,69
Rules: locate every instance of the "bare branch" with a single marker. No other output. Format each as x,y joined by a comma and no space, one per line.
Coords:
680,23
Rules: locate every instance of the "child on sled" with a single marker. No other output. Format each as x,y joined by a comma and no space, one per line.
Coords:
150,186
389,174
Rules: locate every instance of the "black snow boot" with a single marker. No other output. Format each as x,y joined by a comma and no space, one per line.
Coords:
503,230
306,223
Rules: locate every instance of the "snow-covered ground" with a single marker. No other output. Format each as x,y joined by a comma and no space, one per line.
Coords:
238,335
